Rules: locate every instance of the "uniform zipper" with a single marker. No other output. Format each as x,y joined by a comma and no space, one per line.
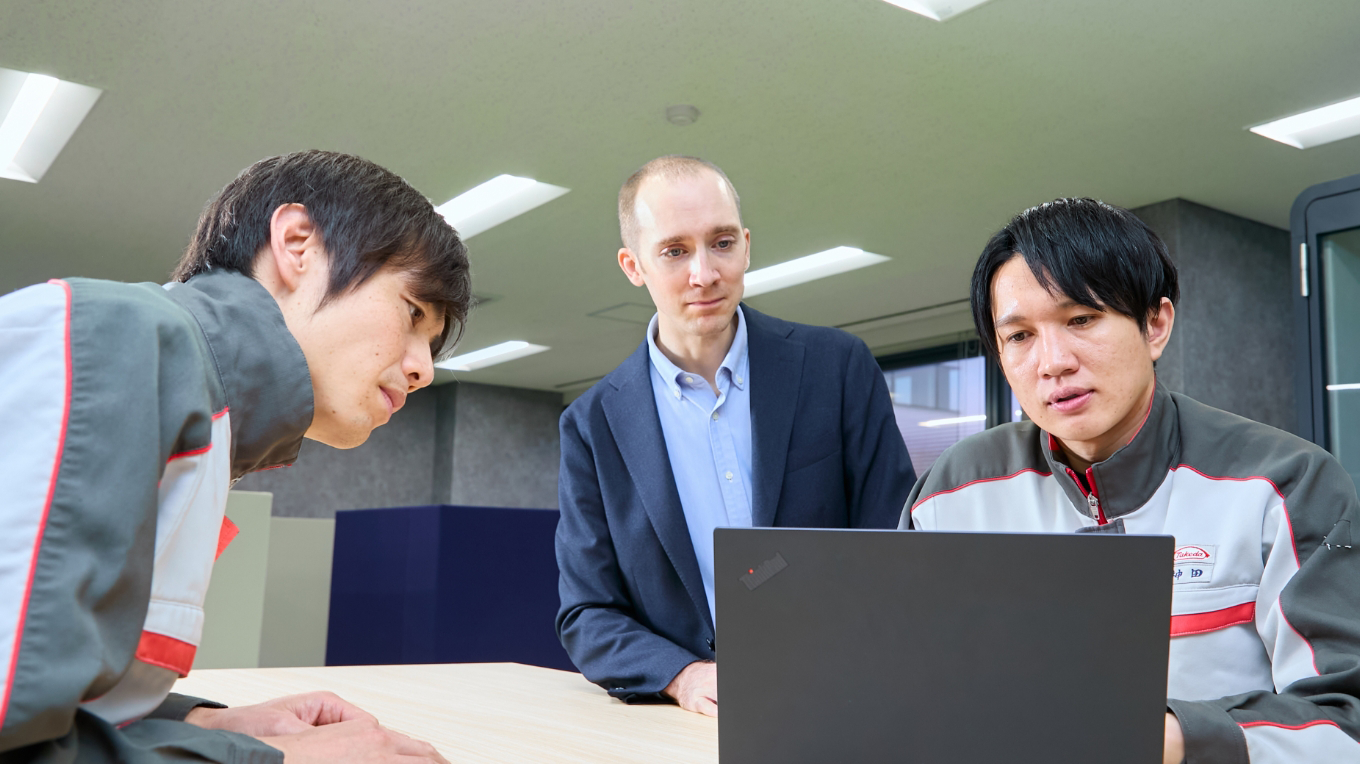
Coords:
1092,498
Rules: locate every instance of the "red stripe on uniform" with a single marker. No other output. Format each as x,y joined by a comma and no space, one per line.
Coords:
1304,726
975,482
226,536
166,652
47,509
1198,623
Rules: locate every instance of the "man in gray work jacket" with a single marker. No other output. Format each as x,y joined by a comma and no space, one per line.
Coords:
314,295
1076,300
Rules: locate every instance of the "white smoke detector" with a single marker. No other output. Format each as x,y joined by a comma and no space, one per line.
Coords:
682,115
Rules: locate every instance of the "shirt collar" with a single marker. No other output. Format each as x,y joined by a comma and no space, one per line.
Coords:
735,362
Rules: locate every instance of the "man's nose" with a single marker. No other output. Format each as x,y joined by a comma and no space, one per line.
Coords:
1055,355
703,271
419,367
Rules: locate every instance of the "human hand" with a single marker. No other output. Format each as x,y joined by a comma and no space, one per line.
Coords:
1173,751
695,688
281,716
360,741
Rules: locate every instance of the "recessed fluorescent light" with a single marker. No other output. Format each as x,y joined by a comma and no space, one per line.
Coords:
809,268
1351,386
954,420
496,201
1316,127
478,359
41,113
937,10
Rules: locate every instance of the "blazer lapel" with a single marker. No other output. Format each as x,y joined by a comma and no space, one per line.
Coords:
636,427
776,374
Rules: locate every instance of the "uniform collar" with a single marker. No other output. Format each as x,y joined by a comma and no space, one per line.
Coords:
1130,476
263,371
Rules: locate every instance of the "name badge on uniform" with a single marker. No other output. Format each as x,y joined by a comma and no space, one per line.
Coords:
1194,564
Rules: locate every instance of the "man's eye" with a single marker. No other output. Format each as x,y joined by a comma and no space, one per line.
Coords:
1017,337
673,252
1081,320
416,312
724,244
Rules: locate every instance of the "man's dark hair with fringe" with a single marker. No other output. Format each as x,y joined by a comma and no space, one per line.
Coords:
368,219
1093,253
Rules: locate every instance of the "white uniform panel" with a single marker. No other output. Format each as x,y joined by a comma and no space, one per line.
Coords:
34,394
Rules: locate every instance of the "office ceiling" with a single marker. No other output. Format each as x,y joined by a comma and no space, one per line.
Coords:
840,121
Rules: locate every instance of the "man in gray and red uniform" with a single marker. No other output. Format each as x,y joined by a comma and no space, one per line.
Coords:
1076,300
311,300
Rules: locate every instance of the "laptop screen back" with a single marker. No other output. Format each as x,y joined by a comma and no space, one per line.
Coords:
874,646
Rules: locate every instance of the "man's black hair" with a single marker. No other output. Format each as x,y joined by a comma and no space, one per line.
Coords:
1096,254
368,219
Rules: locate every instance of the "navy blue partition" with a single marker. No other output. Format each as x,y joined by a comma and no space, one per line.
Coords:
444,584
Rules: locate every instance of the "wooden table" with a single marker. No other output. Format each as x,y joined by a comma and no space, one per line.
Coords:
487,712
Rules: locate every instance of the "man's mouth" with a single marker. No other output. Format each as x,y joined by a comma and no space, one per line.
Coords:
394,400
1069,398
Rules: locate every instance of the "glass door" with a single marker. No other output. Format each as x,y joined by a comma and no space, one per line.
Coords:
1326,237
1339,254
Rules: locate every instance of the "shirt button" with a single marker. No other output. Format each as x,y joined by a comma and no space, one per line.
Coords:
715,416
739,379
689,380
729,474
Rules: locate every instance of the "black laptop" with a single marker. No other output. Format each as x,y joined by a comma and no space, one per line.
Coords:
848,646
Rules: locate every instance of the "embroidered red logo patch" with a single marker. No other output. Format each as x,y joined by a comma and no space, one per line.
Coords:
1190,553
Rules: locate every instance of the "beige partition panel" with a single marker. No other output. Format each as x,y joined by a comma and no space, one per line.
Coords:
297,595
234,607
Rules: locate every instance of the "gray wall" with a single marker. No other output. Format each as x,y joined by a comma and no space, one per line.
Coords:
1232,344
458,443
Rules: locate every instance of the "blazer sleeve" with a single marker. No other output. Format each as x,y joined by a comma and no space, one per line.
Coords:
878,471
596,621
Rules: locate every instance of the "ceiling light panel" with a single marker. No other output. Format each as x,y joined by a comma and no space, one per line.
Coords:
954,420
809,268
480,359
40,114
496,201
937,10
1316,127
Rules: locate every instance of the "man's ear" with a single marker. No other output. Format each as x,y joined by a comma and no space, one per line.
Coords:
1160,322
293,251
631,267
747,233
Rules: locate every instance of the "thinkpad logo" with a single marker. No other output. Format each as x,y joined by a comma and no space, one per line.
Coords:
763,572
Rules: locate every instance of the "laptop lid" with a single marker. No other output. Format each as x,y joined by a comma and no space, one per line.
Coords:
874,646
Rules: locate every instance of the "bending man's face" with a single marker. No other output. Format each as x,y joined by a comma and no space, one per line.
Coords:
1083,375
366,349
690,251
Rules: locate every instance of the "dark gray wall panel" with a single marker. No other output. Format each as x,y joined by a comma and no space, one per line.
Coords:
1232,344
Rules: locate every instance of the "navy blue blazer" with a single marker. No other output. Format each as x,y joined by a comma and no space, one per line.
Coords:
826,453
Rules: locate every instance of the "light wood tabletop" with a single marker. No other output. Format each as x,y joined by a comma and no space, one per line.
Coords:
486,712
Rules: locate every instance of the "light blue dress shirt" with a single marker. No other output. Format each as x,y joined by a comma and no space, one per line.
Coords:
708,439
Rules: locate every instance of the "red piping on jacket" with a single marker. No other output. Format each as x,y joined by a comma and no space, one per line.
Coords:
919,502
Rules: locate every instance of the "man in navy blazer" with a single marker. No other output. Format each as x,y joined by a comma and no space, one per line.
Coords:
723,416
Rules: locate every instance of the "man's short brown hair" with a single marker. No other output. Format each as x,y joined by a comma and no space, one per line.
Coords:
368,218
669,167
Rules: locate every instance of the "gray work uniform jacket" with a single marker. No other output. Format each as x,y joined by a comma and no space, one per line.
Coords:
1265,622
126,413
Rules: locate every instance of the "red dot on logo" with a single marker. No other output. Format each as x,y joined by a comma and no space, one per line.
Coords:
751,570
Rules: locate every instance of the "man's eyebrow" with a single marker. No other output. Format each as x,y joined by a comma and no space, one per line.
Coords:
1009,318
681,238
